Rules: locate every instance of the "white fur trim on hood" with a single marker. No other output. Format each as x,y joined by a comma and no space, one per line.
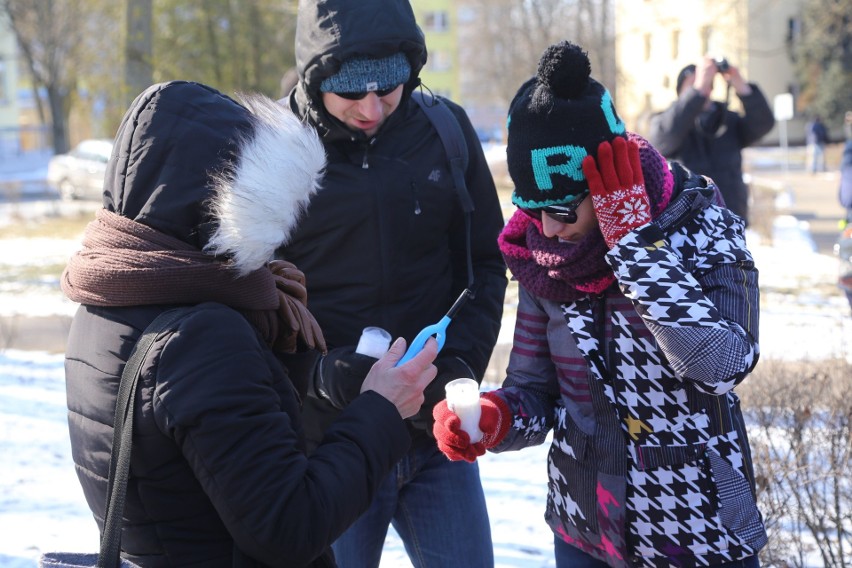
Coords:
260,202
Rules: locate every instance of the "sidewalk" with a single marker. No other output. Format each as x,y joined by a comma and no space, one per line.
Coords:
810,198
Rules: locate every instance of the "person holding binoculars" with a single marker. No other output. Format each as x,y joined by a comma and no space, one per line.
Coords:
708,137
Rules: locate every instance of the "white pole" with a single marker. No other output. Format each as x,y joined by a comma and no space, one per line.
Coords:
783,129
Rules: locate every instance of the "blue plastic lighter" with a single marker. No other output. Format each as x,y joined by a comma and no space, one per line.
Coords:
439,330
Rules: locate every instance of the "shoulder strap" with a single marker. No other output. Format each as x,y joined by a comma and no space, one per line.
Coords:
452,138
122,437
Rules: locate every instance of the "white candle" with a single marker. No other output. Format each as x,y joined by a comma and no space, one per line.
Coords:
463,400
374,342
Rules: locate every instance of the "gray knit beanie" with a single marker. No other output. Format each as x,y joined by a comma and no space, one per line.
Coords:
365,74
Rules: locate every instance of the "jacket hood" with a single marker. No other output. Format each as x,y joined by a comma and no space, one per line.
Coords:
229,178
329,32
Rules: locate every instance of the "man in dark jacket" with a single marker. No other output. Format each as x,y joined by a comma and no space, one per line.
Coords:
198,195
706,136
386,243
816,137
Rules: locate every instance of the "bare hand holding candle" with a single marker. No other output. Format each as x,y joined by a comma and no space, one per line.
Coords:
463,400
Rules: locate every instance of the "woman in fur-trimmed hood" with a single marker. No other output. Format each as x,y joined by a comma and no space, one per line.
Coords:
637,317
199,192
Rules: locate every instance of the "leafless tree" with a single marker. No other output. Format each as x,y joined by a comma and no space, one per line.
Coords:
138,47
49,34
232,45
501,42
90,58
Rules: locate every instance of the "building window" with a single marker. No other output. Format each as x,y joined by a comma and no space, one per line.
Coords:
436,22
439,61
647,47
675,43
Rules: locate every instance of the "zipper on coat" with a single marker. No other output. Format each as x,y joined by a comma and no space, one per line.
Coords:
417,209
365,165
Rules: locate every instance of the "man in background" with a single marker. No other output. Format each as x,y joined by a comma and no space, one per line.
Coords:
705,135
816,137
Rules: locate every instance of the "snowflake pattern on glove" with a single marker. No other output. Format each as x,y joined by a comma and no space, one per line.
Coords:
620,211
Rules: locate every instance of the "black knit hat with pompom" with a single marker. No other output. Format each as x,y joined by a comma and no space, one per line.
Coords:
556,119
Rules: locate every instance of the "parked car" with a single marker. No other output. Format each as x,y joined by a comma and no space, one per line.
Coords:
79,174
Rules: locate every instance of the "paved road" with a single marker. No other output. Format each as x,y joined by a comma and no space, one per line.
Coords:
810,198
32,207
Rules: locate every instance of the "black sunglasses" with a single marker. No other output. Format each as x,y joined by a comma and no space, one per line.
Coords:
361,94
566,214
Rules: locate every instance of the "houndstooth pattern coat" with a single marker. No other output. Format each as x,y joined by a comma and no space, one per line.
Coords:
649,463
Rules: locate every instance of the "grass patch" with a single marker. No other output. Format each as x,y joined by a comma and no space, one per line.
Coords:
61,227
32,275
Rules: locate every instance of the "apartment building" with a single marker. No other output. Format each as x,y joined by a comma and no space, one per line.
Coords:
437,19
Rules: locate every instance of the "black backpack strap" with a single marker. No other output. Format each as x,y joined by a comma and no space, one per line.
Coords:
452,138
122,438
455,146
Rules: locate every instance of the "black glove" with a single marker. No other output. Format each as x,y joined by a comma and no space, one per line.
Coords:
301,367
339,375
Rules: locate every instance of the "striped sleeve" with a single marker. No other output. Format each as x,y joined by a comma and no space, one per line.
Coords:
531,389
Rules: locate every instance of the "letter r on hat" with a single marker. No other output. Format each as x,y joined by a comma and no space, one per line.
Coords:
543,170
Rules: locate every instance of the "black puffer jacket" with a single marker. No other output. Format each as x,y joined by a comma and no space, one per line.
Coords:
384,241
219,476
718,155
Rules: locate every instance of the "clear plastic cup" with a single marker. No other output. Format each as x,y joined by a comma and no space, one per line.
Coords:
374,342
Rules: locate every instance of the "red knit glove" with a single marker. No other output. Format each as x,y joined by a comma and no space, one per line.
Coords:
455,443
618,189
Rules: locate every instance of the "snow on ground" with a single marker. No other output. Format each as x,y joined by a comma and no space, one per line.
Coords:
23,296
803,314
42,508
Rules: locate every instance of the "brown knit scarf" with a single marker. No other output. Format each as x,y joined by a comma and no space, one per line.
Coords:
125,263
